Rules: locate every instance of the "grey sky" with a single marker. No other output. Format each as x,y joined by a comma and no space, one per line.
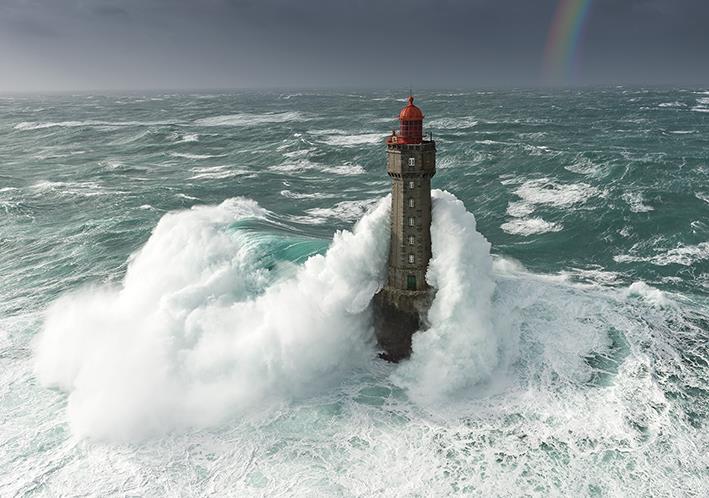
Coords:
144,44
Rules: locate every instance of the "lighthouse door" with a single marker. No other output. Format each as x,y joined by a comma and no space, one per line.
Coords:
411,282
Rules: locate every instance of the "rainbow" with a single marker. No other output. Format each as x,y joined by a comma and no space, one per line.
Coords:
560,56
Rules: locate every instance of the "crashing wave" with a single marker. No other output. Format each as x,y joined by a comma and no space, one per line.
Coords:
199,330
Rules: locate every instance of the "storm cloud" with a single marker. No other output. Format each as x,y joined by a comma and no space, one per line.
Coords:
183,44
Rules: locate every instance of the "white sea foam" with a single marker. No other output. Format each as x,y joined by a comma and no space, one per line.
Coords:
519,209
198,331
182,341
547,192
585,166
295,166
217,172
297,154
592,275
190,137
344,210
355,139
683,255
530,226
247,119
453,123
306,165
82,189
345,170
647,292
542,192
112,164
702,105
562,378
636,201
302,195
460,348
328,131
702,196
675,104
35,125
186,155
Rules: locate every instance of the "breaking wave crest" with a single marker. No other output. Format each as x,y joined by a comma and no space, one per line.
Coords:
515,373
460,348
201,330
197,331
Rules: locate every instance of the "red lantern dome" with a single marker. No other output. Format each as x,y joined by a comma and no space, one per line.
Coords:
410,125
411,112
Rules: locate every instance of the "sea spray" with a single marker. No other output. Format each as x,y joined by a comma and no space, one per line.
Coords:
460,346
185,342
606,397
199,331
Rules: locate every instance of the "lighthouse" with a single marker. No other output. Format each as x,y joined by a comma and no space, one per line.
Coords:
400,307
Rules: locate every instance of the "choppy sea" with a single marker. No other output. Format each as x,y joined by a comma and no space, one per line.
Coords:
185,283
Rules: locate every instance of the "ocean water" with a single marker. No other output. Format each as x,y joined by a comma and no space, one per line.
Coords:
185,283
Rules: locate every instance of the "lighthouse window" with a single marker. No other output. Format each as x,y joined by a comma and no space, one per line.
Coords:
411,258
411,202
411,282
412,221
411,240
412,161
412,185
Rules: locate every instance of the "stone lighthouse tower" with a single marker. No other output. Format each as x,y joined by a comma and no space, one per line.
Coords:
400,306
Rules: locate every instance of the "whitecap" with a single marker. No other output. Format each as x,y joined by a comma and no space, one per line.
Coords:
593,275
460,123
198,332
636,201
190,137
354,139
547,192
519,209
530,226
344,210
217,172
585,166
185,155
302,195
647,292
34,125
247,119
83,189
296,166
685,255
345,170
298,154
328,131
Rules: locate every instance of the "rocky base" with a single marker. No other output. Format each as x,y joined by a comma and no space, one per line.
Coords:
397,316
